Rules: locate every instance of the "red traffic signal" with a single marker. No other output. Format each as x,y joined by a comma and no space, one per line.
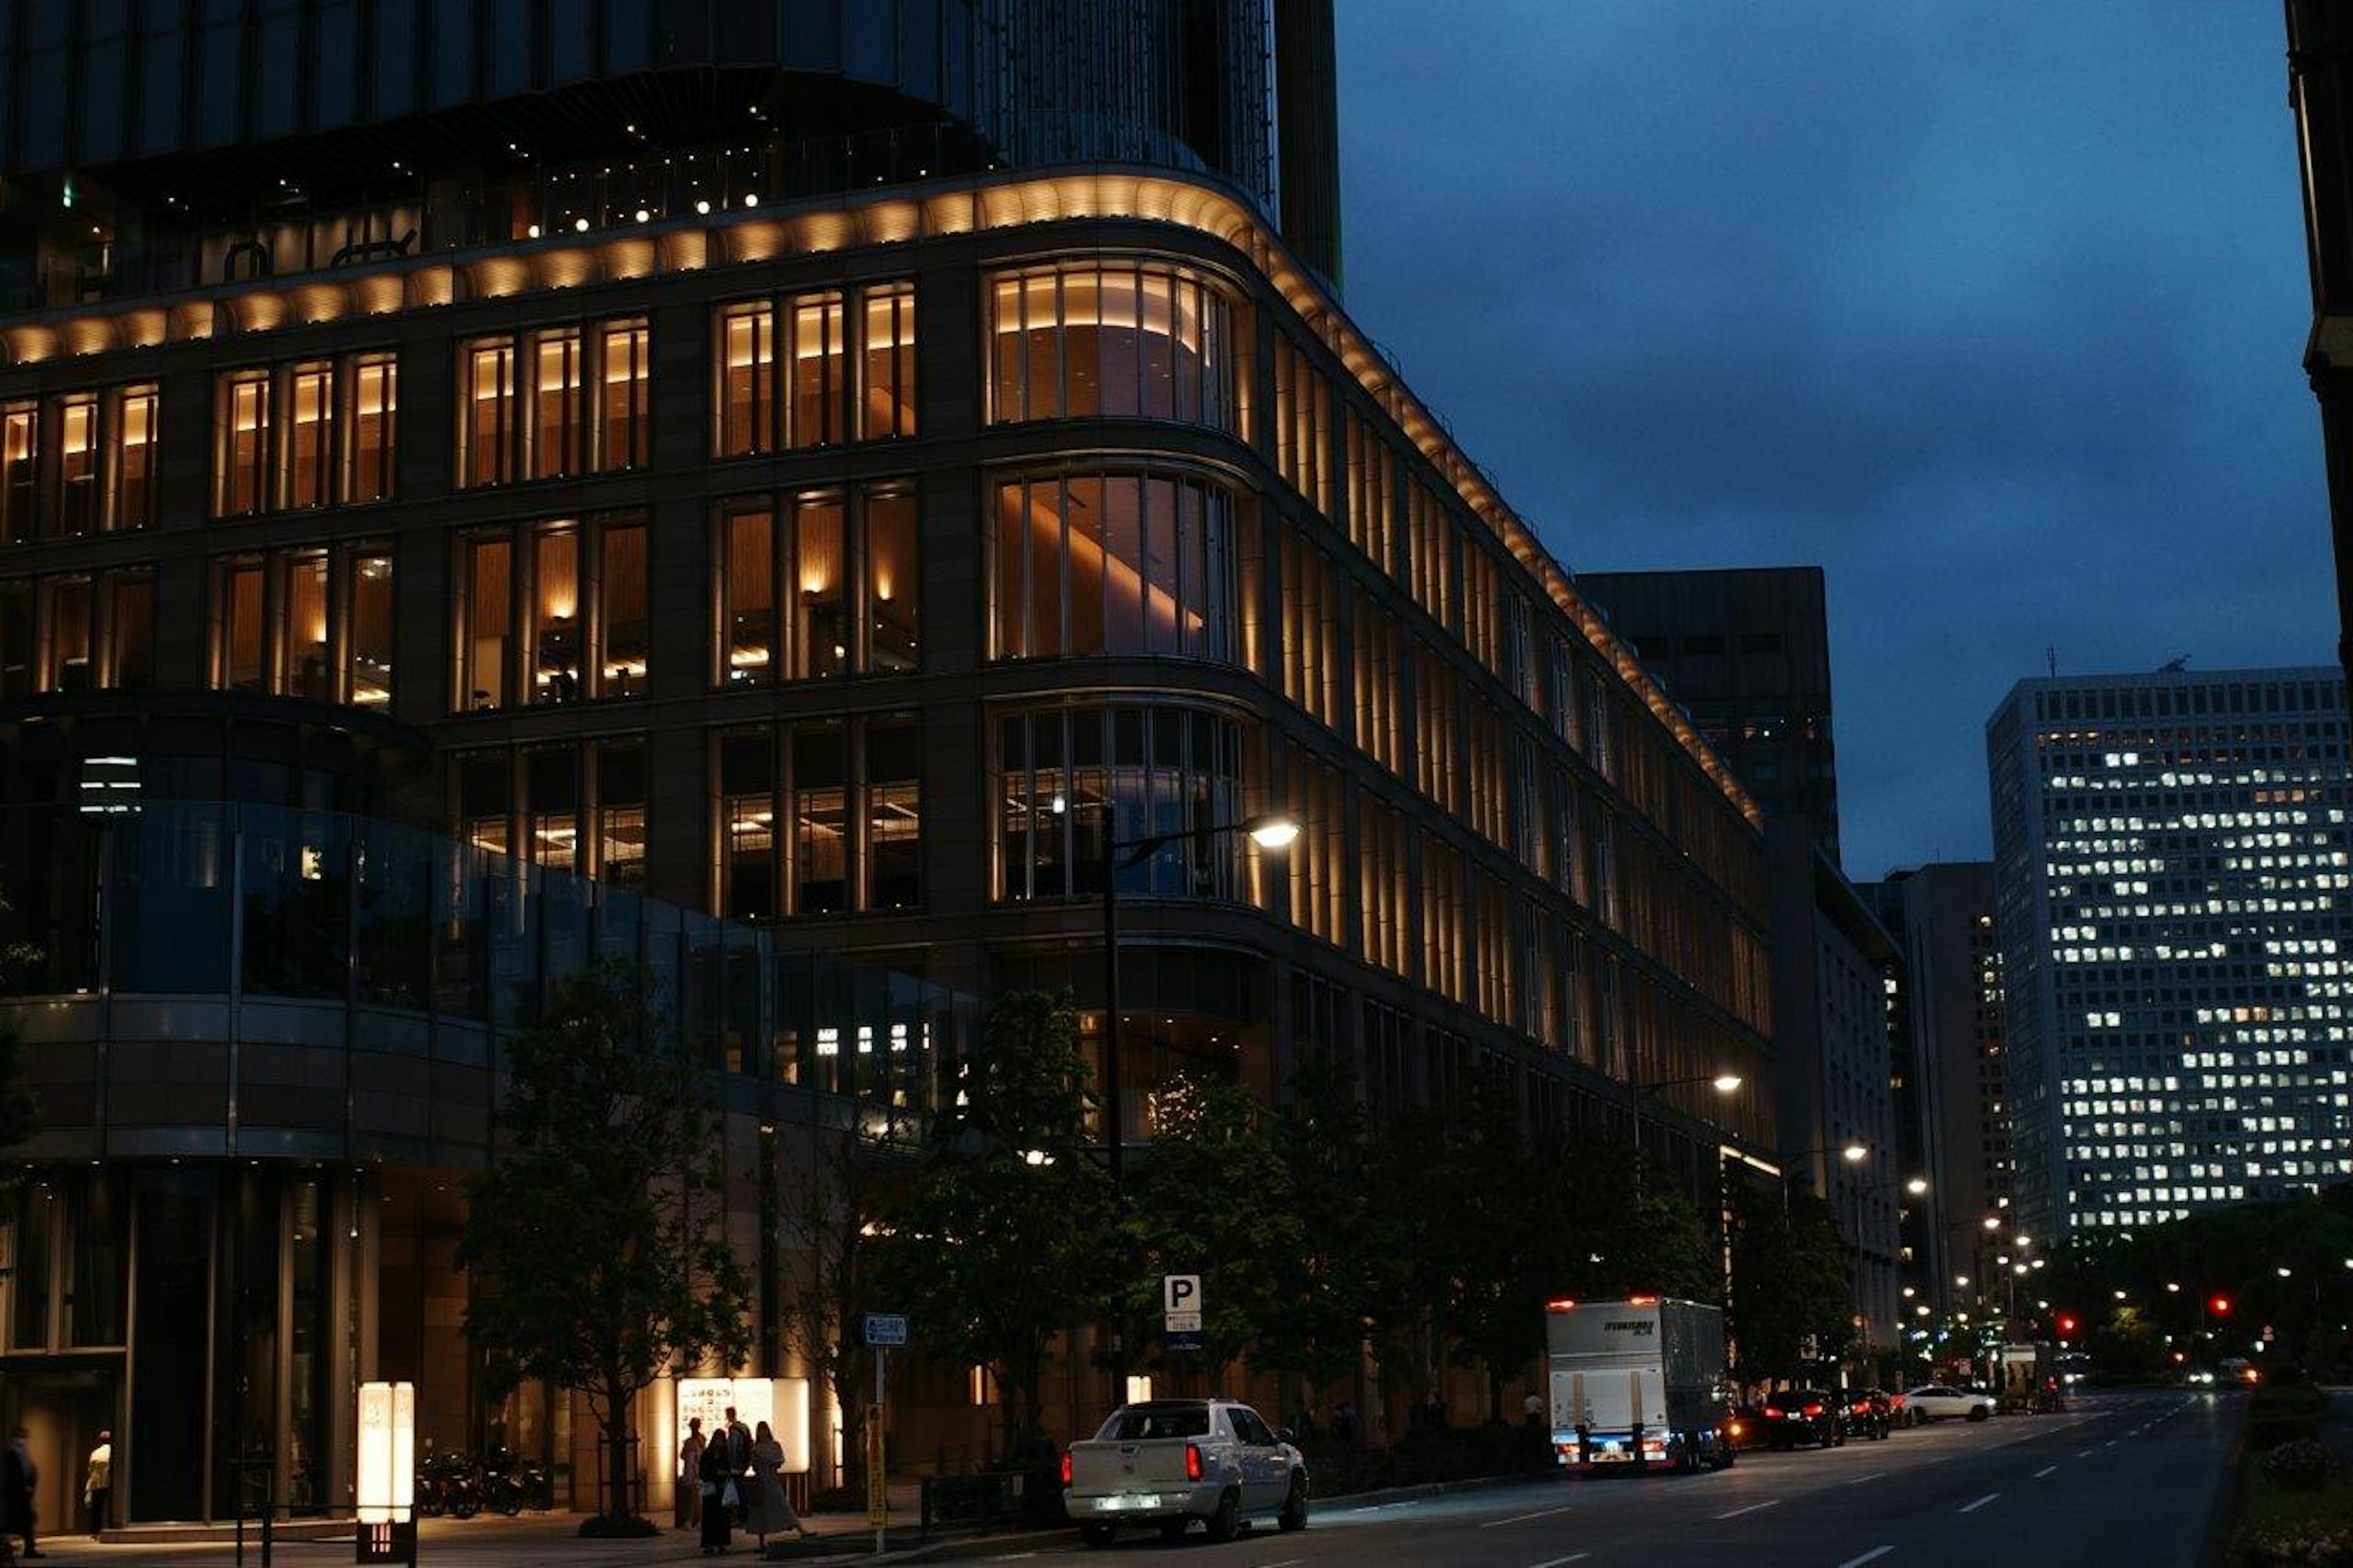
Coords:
2066,1322
2220,1306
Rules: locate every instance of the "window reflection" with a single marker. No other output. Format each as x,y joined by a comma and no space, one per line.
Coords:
1069,779
1116,563
1090,338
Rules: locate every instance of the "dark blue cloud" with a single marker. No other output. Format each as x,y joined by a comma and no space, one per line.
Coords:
1992,309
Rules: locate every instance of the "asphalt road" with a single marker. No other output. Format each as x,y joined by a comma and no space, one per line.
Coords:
2122,1481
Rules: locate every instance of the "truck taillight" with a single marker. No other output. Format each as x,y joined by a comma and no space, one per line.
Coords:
1192,1461
1066,1467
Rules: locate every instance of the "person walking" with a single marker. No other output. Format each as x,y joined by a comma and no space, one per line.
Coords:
18,1476
686,1501
766,1509
718,1481
98,1482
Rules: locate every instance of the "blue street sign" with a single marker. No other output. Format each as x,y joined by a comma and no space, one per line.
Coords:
886,1328
1184,1341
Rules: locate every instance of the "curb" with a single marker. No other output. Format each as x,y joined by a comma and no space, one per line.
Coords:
2223,1519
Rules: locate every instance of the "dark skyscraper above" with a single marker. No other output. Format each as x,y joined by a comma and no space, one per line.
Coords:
1747,652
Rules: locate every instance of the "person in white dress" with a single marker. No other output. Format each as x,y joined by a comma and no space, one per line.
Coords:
766,1511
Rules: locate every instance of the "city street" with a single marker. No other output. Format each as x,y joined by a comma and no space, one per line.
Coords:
2123,1479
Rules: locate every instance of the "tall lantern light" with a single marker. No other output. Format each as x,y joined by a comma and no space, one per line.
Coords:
386,1492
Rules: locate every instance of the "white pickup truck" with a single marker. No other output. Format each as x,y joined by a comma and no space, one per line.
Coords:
1168,1462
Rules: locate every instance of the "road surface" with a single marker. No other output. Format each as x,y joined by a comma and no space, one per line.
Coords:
2121,1478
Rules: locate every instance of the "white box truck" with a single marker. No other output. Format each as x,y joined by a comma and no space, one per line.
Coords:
1638,1382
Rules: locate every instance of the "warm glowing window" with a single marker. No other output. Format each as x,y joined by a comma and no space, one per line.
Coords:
575,592
20,428
811,588
819,351
242,487
554,430
242,640
305,448
76,427
131,450
371,405
834,344
370,620
887,363
1114,564
489,622
306,672
487,413
624,417
1302,423
1091,338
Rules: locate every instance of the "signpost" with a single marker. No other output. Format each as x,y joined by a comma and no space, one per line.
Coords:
1180,1309
883,1329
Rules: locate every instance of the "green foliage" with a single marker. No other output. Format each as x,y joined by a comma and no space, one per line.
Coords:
1005,1233
1789,1283
1213,1198
1327,1285
595,1235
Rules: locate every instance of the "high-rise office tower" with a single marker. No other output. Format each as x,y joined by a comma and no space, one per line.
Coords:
2171,893
778,492
1953,1101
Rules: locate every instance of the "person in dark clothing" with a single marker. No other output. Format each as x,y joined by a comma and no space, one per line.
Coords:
18,1476
718,1475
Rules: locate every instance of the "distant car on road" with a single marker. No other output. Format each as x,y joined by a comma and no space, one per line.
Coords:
1867,1412
1938,1402
1795,1415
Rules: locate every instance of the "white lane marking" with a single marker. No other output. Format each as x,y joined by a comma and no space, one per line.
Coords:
1752,1508
1973,1507
2044,1471
2087,1453
1523,1518
1557,1562
2111,1442
1872,1555
1286,1562
1860,1480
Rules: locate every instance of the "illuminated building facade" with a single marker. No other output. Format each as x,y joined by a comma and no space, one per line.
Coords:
2171,872
795,580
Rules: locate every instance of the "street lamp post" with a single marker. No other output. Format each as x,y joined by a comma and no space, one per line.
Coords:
1641,1092
1273,830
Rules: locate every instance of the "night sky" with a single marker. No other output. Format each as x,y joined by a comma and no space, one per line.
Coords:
1993,309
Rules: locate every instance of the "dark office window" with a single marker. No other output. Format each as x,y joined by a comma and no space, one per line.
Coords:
894,816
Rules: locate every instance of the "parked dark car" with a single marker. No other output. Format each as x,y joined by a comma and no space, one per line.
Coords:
1745,1427
1795,1415
1867,1413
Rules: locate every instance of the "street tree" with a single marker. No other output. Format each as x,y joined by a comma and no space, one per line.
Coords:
1005,1234
1328,1284
1212,1197
596,1233
1789,1283
833,1218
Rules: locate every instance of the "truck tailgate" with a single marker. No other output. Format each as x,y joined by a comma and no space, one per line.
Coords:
1101,1467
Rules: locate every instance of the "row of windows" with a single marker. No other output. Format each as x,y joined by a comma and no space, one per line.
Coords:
565,807
555,403
822,819
1090,563
1074,780
78,463
553,612
1113,338
314,623
806,395
293,437
76,632
818,585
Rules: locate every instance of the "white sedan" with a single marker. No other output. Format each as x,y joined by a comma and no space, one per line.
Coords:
1939,1402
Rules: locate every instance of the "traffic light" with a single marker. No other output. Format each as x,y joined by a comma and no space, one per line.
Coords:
2220,1306
2067,1325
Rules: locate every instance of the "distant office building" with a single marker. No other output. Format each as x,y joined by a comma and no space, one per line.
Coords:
2172,876
1747,652
1832,1062
1953,1101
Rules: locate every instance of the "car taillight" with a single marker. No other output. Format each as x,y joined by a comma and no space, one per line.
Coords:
1813,1410
1192,1461
1066,1467
1771,1414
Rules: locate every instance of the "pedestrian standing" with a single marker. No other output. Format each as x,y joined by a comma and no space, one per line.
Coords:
717,1480
1531,1407
766,1509
97,1481
686,1503
1344,1421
